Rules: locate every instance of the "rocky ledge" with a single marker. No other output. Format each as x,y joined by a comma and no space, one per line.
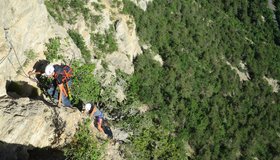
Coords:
35,123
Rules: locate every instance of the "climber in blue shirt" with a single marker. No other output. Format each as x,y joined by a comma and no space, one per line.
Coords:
97,116
95,113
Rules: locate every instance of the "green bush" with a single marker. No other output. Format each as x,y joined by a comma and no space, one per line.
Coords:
69,10
79,41
106,43
116,3
53,48
97,6
79,6
30,55
53,8
95,19
85,85
83,146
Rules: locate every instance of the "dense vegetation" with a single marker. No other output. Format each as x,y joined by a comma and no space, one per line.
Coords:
68,11
85,86
277,11
199,108
84,146
105,43
80,43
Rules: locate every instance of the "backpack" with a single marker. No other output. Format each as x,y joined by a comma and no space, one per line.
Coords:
65,71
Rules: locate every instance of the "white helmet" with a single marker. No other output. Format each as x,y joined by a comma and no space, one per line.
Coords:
49,70
87,107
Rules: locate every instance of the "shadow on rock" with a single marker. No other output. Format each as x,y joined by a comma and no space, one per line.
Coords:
20,89
22,152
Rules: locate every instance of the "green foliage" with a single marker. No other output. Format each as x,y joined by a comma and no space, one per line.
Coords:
116,3
150,140
69,10
105,43
53,8
146,86
277,12
109,91
83,146
195,97
95,19
53,48
79,6
97,6
79,41
85,85
30,55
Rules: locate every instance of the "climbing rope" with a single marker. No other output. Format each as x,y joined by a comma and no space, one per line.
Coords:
13,48
16,55
3,59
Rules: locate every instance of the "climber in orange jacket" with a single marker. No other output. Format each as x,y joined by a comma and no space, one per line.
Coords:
62,75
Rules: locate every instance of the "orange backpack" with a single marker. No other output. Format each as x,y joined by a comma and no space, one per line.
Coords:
65,71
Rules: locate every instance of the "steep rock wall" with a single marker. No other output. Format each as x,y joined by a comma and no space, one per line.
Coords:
25,25
124,33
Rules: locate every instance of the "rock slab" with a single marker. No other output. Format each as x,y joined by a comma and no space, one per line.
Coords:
33,123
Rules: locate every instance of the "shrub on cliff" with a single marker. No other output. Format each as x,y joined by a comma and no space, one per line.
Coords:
83,146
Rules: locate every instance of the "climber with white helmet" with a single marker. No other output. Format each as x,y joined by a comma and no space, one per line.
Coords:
95,113
62,75
97,116
40,77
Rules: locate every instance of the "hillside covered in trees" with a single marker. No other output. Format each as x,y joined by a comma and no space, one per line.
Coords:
199,108
214,96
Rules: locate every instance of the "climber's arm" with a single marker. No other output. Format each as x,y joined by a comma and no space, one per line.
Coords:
93,111
33,72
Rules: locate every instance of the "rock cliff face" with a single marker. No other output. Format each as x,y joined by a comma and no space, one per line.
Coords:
29,122
143,4
26,25
124,33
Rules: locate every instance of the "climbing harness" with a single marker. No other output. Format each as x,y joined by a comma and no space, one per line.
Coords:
66,72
